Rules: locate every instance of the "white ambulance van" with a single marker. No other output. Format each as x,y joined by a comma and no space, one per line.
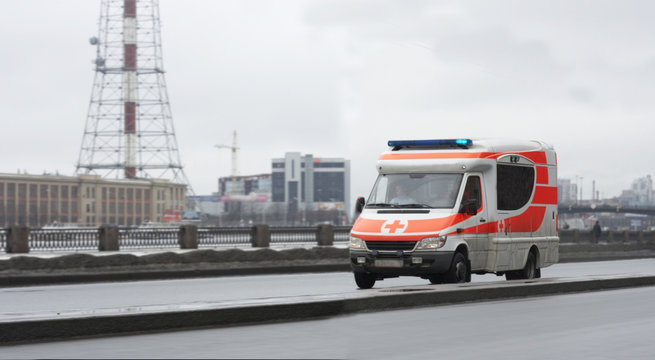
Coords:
444,209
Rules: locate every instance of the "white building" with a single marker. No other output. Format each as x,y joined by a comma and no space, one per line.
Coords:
642,189
566,191
311,183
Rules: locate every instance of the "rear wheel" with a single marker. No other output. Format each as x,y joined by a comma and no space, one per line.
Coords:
364,280
459,270
511,275
436,279
530,270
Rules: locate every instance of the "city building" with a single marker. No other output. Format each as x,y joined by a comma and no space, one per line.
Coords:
86,200
245,188
566,191
300,190
243,200
639,194
642,188
308,183
209,204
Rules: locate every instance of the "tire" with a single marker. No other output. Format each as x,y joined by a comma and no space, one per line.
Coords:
364,280
530,269
459,270
528,272
436,279
511,275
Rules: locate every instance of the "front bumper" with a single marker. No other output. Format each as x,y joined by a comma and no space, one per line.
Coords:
401,263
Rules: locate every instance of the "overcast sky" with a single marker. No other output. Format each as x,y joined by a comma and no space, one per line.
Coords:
339,78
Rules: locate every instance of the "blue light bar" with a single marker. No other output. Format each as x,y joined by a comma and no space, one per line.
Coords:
431,143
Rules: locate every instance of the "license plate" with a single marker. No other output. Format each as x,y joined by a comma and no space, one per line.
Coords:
393,263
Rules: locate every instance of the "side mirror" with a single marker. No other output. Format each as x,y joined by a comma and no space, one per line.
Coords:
359,204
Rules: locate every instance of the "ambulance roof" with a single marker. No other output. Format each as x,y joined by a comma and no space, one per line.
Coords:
491,145
459,154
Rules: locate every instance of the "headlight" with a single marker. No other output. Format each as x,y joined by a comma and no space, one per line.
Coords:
357,243
431,243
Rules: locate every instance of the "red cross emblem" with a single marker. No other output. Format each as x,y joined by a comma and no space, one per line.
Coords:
501,225
394,226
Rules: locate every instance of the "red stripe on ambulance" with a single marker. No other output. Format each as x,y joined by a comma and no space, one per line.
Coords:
542,175
545,195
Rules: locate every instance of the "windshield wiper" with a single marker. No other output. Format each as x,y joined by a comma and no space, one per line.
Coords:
382,205
415,206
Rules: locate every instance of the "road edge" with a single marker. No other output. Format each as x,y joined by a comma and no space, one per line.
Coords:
126,324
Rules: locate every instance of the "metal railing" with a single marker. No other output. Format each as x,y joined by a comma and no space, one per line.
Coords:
3,239
608,236
151,238
89,239
212,237
342,234
285,235
64,239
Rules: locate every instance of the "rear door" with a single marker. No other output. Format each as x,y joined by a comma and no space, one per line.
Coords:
517,218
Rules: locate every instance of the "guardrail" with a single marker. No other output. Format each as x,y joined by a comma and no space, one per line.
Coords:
610,236
215,237
19,239
136,239
65,239
3,239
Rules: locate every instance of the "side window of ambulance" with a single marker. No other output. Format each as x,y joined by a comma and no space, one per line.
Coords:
515,184
381,194
472,192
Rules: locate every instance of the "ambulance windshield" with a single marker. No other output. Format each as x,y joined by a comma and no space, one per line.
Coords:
437,191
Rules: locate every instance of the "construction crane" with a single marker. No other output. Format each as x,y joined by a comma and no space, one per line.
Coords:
234,149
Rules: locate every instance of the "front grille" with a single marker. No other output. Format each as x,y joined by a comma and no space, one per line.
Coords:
390,245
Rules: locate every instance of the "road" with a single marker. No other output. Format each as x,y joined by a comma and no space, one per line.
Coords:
609,324
88,297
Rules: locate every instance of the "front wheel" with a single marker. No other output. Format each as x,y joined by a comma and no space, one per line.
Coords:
364,280
459,269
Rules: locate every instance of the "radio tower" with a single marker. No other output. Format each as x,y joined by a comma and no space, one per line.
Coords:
129,128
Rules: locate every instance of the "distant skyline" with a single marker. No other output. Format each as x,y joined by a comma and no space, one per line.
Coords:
338,78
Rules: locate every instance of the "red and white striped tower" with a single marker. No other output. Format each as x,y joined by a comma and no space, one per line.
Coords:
130,86
129,129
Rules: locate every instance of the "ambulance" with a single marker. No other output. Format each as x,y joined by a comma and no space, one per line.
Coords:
447,208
